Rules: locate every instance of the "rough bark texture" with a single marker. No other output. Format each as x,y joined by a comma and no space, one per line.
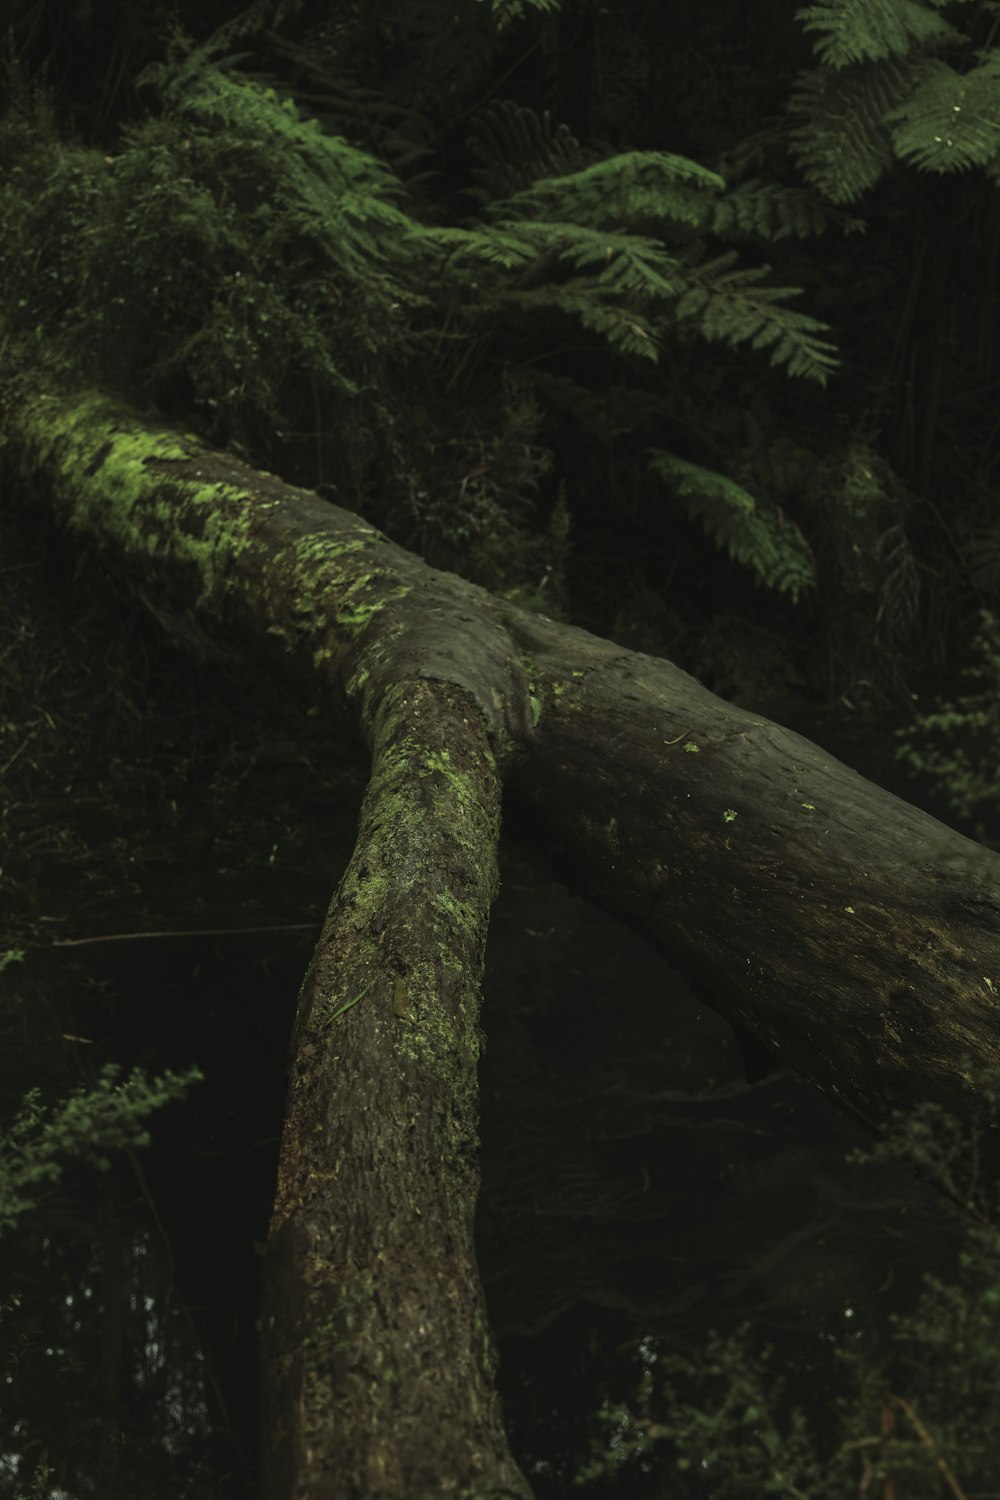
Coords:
855,936
377,1350
852,934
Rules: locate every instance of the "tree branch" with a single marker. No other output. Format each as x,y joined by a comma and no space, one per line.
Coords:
849,932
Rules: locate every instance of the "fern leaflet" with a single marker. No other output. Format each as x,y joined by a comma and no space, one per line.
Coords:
731,306
506,12
342,194
854,31
627,262
842,142
771,211
624,328
760,537
952,120
631,188
494,248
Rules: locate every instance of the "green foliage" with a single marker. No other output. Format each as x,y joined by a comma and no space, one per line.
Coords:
630,188
505,12
755,534
840,138
951,120
627,283
87,1127
339,198
229,247
516,147
954,745
594,266
881,97
732,305
959,1160
772,211
259,257
853,31
237,254
916,1411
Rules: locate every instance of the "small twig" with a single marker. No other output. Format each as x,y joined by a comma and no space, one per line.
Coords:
928,1441
137,937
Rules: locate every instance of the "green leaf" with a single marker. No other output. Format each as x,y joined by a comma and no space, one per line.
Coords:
852,31
759,536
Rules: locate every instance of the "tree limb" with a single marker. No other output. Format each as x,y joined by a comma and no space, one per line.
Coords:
851,933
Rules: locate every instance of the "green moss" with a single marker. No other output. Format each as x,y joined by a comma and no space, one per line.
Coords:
457,911
110,489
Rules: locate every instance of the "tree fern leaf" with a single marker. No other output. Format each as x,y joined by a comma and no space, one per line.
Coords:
952,120
506,12
625,329
853,31
760,537
493,246
517,146
731,305
800,349
841,141
633,187
770,211
628,262
343,194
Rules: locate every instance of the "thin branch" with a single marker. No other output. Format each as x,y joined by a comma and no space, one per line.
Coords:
928,1441
189,932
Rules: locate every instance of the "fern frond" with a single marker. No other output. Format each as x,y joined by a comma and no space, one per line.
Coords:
506,12
731,306
624,328
344,195
342,105
629,263
760,537
516,147
771,211
841,142
634,187
627,274
853,31
494,247
952,120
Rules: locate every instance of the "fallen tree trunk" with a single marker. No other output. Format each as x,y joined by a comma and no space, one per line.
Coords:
855,936
851,933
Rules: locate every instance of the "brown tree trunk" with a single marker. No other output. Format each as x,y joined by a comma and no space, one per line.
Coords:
855,936
849,932
377,1353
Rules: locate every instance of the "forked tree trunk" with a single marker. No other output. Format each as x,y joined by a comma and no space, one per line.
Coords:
855,936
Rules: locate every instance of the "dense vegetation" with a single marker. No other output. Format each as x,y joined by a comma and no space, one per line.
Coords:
678,326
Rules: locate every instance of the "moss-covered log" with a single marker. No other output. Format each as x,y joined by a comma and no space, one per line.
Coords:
377,1353
853,935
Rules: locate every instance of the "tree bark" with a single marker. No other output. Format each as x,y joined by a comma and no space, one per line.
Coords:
850,933
376,1351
